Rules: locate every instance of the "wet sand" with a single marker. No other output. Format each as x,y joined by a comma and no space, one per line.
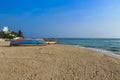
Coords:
56,62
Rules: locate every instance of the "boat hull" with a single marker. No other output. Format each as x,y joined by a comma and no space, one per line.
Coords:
26,42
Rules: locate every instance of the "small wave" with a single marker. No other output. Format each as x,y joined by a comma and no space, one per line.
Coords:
109,53
114,50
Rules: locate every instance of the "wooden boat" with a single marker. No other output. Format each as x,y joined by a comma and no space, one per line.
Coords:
26,42
51,41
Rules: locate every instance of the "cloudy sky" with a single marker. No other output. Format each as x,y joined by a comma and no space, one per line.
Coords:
62,18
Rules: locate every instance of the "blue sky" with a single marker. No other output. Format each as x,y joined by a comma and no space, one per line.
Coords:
62,18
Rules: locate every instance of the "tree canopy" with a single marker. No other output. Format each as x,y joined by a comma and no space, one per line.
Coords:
20,34
11,34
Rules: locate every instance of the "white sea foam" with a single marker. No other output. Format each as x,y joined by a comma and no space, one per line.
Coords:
109,53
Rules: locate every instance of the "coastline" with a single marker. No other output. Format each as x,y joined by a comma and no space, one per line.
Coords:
103,51
56,62
106,52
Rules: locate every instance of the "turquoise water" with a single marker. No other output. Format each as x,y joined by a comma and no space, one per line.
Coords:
104,44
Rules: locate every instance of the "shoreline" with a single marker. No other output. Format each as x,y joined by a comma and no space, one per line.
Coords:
56,62
97,51
103,51
106,52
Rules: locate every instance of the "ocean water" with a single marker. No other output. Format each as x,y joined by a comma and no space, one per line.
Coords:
112,45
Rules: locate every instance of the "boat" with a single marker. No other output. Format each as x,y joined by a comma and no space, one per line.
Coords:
26,42
50,41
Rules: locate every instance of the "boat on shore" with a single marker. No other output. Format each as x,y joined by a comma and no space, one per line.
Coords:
50,41
27,42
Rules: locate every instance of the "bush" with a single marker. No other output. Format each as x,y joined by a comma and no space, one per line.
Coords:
11,35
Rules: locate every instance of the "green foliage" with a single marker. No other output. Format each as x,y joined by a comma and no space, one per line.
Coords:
11,35
15,33
1,34
20,34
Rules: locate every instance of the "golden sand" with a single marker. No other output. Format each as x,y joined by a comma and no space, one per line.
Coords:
56,62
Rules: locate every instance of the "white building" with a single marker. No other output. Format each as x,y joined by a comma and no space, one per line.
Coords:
5,29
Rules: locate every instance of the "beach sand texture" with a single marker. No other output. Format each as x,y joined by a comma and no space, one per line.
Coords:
55,62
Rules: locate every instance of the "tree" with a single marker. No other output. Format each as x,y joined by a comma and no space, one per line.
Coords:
14,33
11,35
1,34
20,34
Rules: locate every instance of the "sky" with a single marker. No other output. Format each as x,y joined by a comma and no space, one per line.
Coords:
62,18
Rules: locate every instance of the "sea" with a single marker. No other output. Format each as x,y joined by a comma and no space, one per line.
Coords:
109,46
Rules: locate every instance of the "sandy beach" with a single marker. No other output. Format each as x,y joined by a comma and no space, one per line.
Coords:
56,62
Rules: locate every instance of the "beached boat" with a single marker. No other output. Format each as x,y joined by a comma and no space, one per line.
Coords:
51,41
26,42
